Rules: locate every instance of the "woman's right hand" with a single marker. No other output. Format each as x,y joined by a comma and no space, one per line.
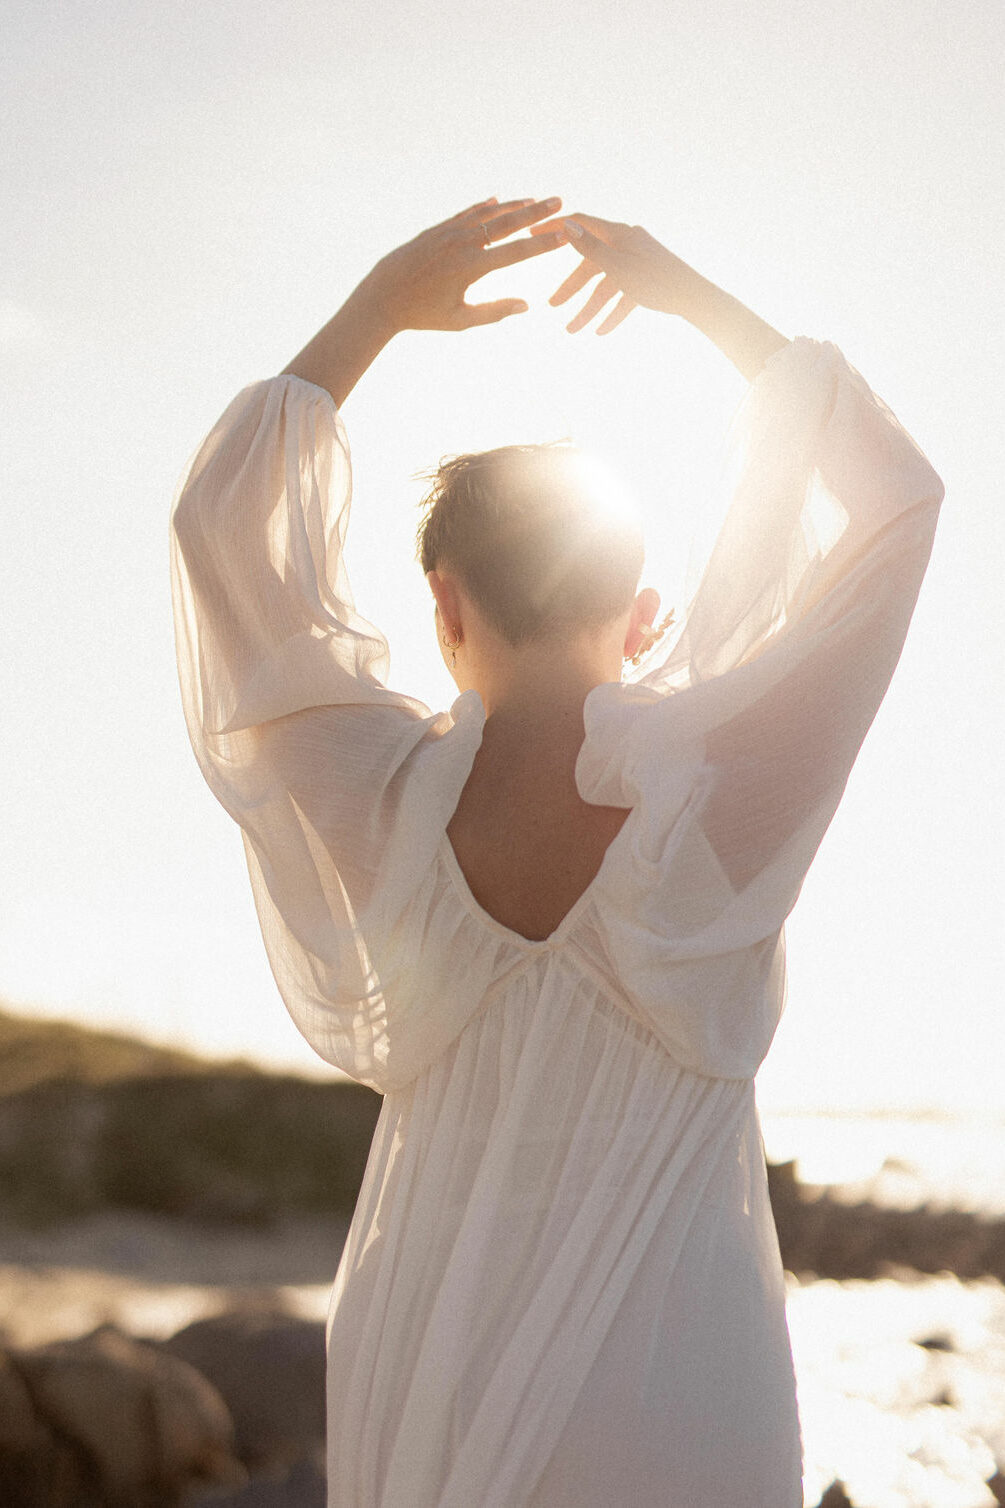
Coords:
629,261
422,285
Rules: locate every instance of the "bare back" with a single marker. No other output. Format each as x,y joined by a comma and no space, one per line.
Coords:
526,842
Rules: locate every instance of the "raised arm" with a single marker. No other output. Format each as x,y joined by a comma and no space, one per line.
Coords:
790,641
265,613
283,683
633,264
422,286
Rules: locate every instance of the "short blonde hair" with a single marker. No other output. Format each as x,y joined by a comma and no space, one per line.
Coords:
534,544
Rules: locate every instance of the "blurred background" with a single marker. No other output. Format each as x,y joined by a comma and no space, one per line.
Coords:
190,191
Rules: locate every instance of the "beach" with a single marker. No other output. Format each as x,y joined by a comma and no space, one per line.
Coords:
901,1379
151,1275
896,1304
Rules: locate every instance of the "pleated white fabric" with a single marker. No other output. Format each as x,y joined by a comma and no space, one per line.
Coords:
562,1284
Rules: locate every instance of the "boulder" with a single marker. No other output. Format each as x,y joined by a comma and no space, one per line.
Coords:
21,1430
141,1426
835,1497
269,1368
303,1487
35,1465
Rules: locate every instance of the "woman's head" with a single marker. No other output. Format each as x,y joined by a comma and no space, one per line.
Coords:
531,534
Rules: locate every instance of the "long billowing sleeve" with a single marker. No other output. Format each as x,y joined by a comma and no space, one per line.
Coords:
739,745
818,468
265,618
287,712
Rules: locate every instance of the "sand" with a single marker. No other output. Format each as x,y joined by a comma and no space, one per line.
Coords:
151,1275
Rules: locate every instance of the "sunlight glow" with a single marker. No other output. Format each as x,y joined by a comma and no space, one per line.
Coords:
818,216
604,492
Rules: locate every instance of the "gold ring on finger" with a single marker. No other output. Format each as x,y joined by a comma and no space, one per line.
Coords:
486,235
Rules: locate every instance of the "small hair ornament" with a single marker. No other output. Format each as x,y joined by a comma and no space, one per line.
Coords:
650,637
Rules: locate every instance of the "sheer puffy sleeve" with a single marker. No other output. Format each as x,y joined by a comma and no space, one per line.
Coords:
819,467
264,615
739,744
282,686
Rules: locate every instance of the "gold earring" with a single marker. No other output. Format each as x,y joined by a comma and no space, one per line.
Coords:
650,636
453,646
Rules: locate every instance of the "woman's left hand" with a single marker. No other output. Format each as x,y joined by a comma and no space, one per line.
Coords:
422,285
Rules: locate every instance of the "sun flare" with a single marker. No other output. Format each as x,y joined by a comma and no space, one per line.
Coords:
604,492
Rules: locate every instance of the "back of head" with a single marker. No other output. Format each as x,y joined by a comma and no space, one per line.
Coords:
537,536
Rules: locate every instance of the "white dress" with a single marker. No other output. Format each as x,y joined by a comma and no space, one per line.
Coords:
562,1285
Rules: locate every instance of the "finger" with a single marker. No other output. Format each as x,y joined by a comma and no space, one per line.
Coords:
595,249
485,214
491,314
506,222
519,251
593,223
605,290
601,228
574,283
473,209
479,211
617,315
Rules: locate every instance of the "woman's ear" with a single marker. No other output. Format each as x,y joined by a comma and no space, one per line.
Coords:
644,612
448,604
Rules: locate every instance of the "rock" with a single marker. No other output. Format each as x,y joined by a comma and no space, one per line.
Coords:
21,1431
937,1343
142,1426
303,1487
835,1497
820,1232
270,1369
35,1466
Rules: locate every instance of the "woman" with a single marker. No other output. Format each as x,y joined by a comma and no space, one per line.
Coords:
547,926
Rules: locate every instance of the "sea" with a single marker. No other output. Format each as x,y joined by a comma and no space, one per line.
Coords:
901,1379
896,1158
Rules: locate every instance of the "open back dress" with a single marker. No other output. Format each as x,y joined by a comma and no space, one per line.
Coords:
562,1285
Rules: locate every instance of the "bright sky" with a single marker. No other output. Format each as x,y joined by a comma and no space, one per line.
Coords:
190,190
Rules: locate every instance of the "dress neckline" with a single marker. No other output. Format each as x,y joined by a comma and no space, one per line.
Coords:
560,933
468,719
